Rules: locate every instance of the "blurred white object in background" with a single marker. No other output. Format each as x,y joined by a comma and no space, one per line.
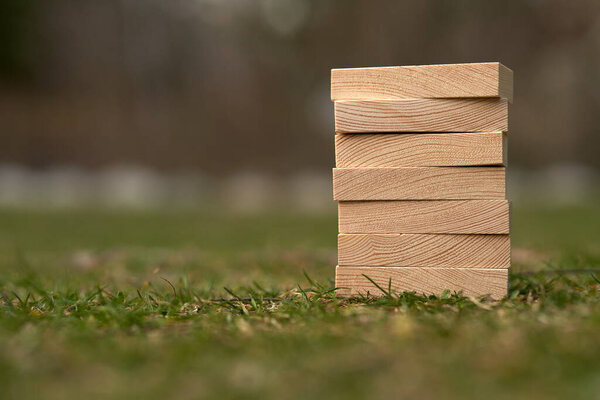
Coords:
134,187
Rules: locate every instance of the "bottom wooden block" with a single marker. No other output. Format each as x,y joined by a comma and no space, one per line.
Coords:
471,281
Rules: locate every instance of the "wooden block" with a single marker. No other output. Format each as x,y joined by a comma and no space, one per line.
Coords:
426,216
419,183
471,281
419,150
418,250
421,115
422,81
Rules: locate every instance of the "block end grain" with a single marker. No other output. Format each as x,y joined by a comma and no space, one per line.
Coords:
353,281
418,150
425,216
419,183
421,115
424,250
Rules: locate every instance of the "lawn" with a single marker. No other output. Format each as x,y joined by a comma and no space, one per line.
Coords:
108,304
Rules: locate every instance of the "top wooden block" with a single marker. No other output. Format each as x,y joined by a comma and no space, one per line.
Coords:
422,81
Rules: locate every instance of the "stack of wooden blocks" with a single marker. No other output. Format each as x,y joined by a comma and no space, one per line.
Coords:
420,178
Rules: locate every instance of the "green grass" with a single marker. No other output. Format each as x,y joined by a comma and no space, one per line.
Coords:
201,305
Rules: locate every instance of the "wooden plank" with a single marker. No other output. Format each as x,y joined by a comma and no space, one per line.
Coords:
421,115
426,216
419,183
418,250
419,150
490,79
471,281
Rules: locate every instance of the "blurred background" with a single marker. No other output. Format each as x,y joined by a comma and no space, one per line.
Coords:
159,149
183,103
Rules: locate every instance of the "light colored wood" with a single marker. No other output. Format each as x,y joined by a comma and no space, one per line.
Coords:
419,183
421,115
505,84
425,216
471,281
419,150
418,250
423,81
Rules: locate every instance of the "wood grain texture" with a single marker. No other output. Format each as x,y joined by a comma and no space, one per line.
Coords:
471,281
422,81
418,250
420,150
425,216
419,183
421,115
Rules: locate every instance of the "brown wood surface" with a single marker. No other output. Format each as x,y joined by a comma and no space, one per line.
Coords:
419,183
471,281
421,115
425,216
419,150
422,250
422,81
